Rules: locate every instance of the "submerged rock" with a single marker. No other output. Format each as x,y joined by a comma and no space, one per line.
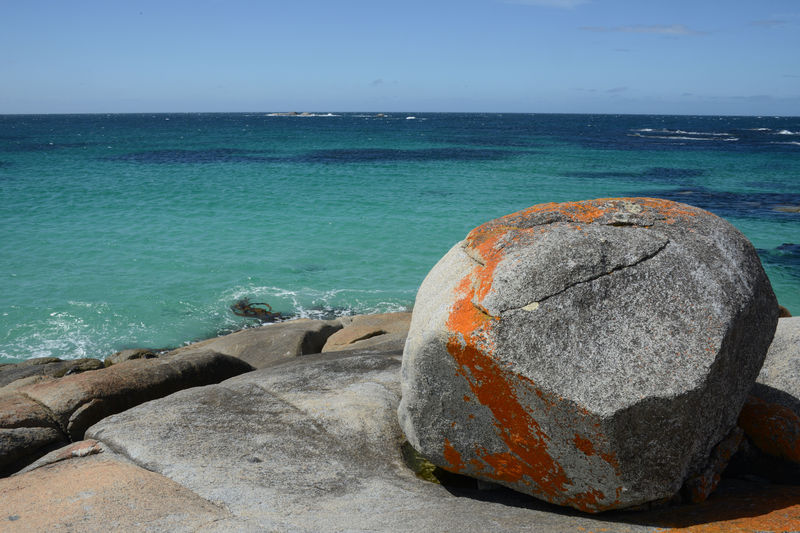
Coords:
591,354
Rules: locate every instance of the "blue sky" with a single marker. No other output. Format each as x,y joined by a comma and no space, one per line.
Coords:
712,57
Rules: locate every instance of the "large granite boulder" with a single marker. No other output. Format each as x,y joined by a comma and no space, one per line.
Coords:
591,354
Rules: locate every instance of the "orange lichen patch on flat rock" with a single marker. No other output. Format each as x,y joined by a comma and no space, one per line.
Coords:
773,428
773,508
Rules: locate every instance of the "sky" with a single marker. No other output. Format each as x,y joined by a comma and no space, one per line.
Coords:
709,57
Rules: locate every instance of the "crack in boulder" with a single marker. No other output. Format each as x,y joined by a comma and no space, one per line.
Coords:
588,280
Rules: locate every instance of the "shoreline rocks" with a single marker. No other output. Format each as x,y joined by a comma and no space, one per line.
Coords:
36,417
251,453
591,354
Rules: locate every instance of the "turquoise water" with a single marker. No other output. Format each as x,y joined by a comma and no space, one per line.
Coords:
141,230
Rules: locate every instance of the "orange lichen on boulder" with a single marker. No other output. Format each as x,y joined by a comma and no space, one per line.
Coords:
527,460
584,212
544,346
773,428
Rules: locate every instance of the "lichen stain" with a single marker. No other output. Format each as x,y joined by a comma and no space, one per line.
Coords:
527,460
452,456
773,428
585,212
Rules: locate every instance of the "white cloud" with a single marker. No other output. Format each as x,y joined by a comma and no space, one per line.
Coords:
660,29
562,4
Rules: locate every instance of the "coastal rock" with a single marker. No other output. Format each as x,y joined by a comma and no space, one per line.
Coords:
771,416
26,430
103,492
265,345
46,366
77,401
591,354
127,355
380,332
312,444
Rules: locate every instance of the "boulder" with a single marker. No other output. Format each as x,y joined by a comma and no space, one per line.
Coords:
78,401
91,489
47,367
26,429
771,416
37,417
380,332
312,444
592,354
265,345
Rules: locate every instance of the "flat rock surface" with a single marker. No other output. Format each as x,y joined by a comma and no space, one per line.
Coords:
313,445
102,493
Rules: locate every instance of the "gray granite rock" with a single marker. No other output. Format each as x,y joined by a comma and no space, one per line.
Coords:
779,379
89,489
270,343
591,354
313,444
78,401
771,416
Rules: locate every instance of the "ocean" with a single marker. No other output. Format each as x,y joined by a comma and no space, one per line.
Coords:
141,230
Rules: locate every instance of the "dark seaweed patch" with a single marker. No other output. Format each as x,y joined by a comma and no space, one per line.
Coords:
656,174
213,155
786,256
381,155
731,204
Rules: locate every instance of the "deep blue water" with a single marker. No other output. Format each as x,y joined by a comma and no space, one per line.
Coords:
141,230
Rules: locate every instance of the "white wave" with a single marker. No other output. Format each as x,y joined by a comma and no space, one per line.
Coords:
787,132
684,132
314,303
759,129
796,143
672,137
